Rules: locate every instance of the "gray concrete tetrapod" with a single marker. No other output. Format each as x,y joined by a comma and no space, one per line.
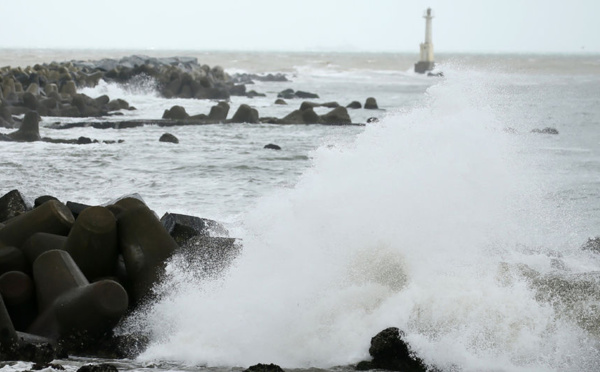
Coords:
69,304
18,293
11,259
50,217
92,242
40,242
145,245
8,335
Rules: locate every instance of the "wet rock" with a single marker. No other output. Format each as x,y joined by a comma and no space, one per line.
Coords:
272,146
245,114
371,104
280,101
354,105
168,137
183,227
104,367
390,352
176,112
118,104
264,368
253,93
302,94
286,94
372,120
11,205
17,290
546,130
338,115
84,140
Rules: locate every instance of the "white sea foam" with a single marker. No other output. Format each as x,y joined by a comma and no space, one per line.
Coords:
424,223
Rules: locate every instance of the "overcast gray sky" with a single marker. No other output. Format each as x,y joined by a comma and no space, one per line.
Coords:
325,25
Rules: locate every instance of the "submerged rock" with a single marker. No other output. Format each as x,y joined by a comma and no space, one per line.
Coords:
546,130
264,368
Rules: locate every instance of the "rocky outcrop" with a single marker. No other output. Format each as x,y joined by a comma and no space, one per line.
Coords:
391,352
291,94
245,114
168,137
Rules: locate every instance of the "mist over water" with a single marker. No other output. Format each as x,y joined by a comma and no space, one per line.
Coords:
432,221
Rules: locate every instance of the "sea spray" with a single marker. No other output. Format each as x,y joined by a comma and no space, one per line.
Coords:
425,222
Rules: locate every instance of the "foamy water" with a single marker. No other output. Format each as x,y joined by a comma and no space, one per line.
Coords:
447,219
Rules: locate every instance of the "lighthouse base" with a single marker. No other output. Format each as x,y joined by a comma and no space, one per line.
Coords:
422,67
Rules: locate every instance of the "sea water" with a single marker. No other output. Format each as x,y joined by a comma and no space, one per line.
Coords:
448,218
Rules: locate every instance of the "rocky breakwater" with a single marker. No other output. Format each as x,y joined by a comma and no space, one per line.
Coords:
70,272
52,89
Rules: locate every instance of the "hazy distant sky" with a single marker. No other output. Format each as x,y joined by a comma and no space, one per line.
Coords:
329,25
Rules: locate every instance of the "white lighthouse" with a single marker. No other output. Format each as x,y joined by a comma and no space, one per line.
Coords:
426,61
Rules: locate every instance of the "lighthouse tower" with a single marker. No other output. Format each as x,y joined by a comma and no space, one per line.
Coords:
426,61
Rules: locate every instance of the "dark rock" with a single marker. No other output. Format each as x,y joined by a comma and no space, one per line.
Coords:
372,120
365,366
29,130
168,137
84,140
280,101
183,227
11,205
286,94
272,146
238,90
547,130
302,94
104,367
40,366
354,105
245,114
176,112
371,104
338,115
264,368
42,199
253,93
390,351
435,74
117,104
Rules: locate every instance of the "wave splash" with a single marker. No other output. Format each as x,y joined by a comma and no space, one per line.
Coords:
429,221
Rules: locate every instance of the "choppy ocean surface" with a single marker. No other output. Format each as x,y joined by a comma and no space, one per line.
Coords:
448,219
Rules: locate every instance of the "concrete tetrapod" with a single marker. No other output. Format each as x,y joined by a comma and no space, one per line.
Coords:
69,304
92,242
50,217
18,293
40,242
145,245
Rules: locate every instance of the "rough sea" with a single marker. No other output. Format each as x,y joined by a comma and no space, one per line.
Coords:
448,218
